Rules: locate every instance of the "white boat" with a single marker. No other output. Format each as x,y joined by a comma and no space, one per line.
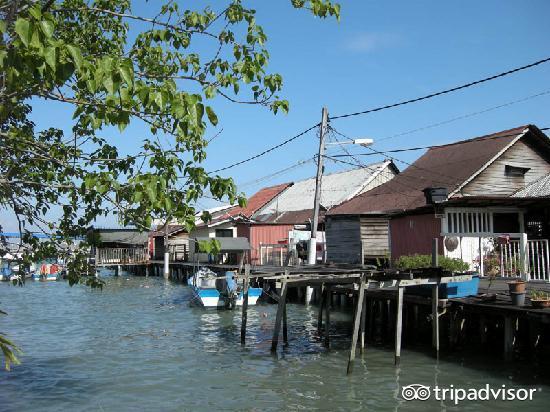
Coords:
213,291
48,271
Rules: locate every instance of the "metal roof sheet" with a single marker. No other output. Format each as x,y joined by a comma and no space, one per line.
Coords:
336,188
228,244
539,188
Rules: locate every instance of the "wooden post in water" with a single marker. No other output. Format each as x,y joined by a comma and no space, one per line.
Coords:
285,330
398,325
328,300
356,324
245,303
363,325
509,332
435,318
322,302
279,317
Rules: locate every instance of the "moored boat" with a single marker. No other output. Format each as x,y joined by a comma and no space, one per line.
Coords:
211,290
48,271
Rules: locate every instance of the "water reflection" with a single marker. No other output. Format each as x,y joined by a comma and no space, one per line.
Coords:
138,345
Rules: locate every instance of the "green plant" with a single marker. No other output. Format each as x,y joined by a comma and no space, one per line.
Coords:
417,261
540,295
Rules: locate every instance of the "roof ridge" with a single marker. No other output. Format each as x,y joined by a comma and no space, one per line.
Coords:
494,135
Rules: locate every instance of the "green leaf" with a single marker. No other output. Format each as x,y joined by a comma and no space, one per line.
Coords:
127,73
3,26
47,28
24,30
50,57
76,55
109,84
211,116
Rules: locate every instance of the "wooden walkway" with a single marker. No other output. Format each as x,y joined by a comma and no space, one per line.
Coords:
347,279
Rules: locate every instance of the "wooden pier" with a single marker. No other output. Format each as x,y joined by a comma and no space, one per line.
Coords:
351,280
385,311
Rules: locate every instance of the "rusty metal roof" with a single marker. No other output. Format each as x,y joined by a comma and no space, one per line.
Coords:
448,166
255,202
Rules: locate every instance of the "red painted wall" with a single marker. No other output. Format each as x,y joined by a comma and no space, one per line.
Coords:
414,234
266,234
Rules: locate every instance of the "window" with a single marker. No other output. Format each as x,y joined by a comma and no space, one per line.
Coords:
506,222
515,171
224,232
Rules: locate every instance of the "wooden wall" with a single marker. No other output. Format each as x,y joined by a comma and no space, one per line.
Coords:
374,236
413,235
495,182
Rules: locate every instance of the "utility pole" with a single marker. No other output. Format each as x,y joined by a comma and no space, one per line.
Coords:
312,247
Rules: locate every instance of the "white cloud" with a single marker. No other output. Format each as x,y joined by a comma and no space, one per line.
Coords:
367,42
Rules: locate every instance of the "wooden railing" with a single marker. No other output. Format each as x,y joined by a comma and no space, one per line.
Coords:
538,259
121,256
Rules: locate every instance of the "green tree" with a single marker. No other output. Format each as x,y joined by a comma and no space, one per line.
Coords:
114,67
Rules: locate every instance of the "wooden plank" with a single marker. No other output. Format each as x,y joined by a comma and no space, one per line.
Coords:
356,325
244,317
279,317
398,326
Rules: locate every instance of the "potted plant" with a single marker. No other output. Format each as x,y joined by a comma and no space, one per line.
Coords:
540,299
492,269
516,286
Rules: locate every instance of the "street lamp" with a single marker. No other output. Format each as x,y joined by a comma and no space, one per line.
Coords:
312,247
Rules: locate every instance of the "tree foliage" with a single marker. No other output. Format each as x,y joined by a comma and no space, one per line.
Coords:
112,68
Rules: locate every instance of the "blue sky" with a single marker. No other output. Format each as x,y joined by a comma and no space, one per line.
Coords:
379,53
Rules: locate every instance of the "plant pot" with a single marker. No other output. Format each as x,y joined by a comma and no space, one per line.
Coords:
540,303
518,298
516,286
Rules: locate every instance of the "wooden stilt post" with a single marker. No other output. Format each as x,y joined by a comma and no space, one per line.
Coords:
363,325
356,324
435,318
398,325
328,299
483,330
322,302
285,330
244,317
279,317
509,332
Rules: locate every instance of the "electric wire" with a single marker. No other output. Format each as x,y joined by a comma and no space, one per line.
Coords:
453,89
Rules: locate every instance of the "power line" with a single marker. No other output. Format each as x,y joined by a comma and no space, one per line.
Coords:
411,149
453,89
465,116
276,173
439,174
266,151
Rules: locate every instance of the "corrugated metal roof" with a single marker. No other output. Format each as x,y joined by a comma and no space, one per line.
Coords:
255,202
336,188
442,166
539,188
292,217
228,244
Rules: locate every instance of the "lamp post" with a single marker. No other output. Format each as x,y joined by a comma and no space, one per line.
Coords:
312,246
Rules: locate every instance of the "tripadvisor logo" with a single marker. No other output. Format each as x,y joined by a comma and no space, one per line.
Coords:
487,393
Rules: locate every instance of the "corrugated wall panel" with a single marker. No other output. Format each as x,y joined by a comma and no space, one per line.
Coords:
414,234
266,234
